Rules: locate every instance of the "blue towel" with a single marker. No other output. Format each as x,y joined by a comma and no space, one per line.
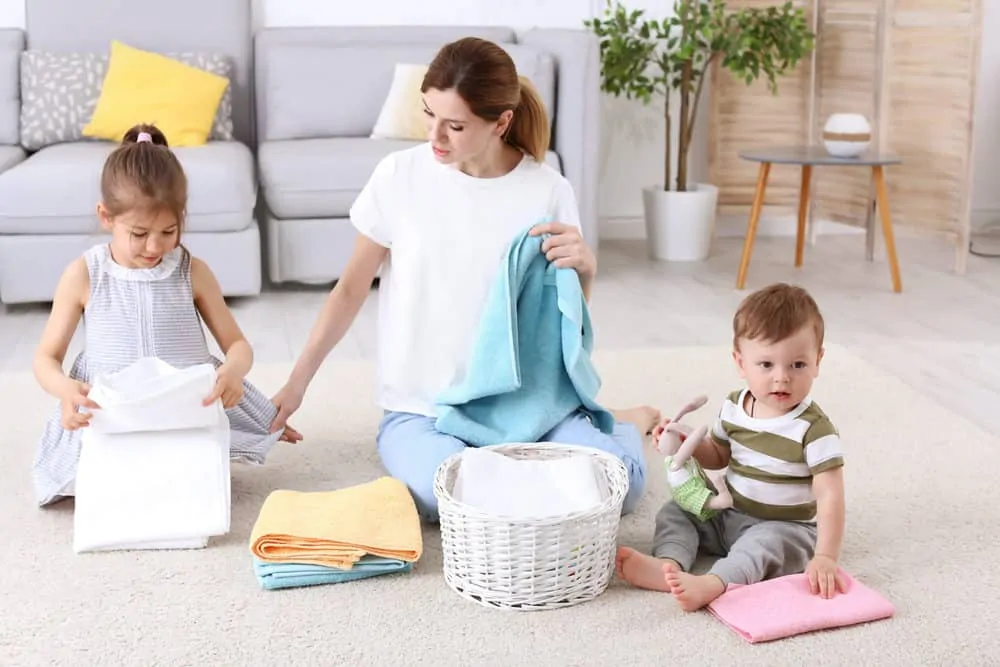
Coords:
273,576
530,366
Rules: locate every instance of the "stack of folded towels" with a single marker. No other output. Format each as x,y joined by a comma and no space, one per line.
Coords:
154,469
329,537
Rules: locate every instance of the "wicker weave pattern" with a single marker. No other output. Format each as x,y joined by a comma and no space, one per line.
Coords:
527,564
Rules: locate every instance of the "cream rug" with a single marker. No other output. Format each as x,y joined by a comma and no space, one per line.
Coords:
923,528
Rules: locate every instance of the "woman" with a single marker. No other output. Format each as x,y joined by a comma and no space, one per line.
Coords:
440,217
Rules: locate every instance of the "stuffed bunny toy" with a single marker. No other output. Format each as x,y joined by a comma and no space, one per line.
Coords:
690,485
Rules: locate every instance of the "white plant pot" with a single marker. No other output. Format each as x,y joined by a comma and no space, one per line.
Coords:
846,135
680,225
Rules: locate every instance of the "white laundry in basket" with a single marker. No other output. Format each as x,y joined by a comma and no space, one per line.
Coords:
526,488
154,462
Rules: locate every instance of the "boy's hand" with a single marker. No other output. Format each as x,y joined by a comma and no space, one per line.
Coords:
74,398
228,387
824,578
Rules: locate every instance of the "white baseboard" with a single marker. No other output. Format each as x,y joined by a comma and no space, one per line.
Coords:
730,226
726,226
984,217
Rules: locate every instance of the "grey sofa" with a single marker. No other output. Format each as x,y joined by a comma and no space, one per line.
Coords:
318,93
47,202
11,45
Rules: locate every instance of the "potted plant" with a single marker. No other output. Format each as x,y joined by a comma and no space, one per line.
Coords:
647,59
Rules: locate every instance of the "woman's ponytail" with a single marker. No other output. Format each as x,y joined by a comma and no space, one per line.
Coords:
529,129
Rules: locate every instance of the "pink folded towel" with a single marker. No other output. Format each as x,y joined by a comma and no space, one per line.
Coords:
784,607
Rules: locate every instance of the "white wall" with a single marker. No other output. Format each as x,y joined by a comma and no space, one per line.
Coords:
518,13
633,134
11,13
986,147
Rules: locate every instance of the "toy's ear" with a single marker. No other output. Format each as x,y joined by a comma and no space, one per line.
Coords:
668,443
680,428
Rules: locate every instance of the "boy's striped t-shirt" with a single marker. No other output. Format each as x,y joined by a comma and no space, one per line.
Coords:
774,460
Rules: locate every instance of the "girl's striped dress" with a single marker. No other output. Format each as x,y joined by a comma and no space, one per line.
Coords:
134,313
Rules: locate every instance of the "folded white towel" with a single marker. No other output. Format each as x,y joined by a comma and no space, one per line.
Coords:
154,463
152,395
504,486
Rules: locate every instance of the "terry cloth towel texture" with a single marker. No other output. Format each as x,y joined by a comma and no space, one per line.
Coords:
338,528
530,366
785,607
275,576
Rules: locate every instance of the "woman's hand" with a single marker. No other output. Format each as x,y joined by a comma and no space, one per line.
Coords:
228,387
72,399
290,435
566,249
287,400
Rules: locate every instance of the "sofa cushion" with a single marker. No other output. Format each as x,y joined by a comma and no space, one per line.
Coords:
321,178
11,45
402,115
56,190
355,80
61,90
9,156
144,84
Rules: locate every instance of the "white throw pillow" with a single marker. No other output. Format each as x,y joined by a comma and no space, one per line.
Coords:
402,115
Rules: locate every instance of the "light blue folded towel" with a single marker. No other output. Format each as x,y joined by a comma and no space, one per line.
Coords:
530,366
273,576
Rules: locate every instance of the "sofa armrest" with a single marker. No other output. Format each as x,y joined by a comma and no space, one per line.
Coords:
576,132
11,46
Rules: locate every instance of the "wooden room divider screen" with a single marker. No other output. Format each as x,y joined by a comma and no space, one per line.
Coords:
910,67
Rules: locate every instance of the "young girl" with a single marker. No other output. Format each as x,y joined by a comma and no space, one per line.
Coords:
142,294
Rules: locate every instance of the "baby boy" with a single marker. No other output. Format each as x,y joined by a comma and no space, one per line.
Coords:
785,468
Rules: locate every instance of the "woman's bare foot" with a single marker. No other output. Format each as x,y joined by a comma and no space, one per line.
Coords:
692,591
644,417
642,570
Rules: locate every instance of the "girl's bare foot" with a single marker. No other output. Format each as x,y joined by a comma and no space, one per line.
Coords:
692,591
642,570
644,417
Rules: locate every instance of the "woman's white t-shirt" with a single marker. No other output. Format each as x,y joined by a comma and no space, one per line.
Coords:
447,233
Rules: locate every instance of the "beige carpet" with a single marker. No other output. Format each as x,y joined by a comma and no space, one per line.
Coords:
923,528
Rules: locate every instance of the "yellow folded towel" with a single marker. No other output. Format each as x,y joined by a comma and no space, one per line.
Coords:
337,528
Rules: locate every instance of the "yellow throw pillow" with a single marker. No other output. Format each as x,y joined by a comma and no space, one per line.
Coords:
402,115
145,87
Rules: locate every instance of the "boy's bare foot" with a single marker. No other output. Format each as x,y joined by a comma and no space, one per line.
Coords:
642,570
692,591
644,417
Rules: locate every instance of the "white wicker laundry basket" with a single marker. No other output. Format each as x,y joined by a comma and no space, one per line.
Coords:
531,564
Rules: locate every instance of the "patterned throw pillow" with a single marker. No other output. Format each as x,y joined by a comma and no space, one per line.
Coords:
59,92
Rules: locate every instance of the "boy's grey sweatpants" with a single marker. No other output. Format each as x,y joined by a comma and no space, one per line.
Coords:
752,550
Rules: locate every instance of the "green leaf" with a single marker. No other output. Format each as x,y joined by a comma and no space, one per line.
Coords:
642,57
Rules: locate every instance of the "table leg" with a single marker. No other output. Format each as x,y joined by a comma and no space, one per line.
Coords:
870,227
758,203
890,242
800,237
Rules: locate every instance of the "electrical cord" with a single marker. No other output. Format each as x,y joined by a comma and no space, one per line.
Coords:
993,227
